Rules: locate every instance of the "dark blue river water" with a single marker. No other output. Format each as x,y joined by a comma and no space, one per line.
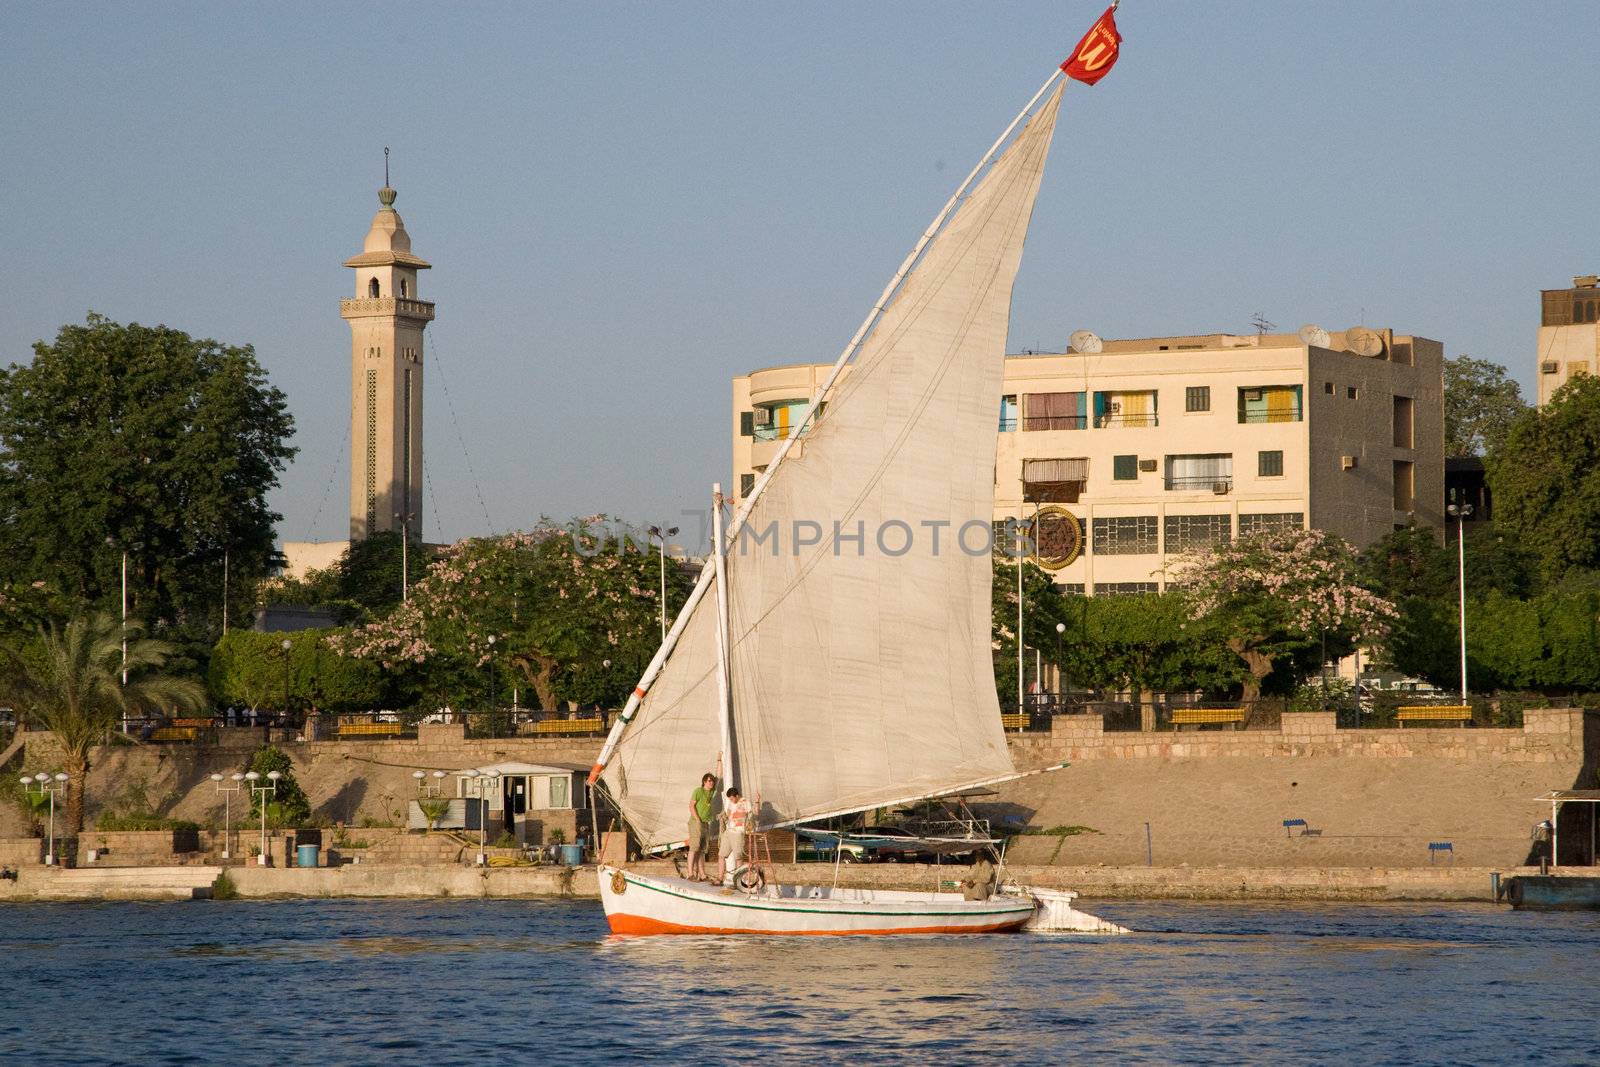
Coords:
508,982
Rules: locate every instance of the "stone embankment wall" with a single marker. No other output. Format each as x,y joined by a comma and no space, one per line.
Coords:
1369,798
1214,797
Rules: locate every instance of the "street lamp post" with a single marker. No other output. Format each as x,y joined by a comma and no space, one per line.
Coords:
1061,628
42,784
259,795
661,536
286,645
405,553
484,783
227,791
1459,512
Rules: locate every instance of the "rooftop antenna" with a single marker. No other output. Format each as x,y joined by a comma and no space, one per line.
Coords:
385,166
1259,321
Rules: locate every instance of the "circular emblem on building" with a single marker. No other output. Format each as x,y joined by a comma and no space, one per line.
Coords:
619,884
1059,538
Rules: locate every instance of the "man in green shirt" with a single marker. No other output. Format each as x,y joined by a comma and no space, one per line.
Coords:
700,802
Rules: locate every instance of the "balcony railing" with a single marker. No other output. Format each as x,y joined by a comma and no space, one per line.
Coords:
772,433
1055,422
1215,483
1146,419
1008,425
1291,415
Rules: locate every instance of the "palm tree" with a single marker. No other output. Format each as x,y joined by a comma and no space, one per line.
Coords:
71,684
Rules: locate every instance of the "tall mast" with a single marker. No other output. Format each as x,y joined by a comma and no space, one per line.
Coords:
719,550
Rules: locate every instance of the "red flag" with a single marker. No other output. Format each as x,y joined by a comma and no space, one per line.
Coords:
1095,54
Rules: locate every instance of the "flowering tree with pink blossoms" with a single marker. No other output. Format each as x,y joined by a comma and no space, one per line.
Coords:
573,616
1278,594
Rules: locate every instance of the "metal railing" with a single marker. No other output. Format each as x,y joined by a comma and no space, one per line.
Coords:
1055,422
1291,415
1145,419
1215,483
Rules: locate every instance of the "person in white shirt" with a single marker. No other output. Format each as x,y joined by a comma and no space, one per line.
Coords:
736,820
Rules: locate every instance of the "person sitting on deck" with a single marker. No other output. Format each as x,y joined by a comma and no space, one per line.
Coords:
730,849
700,802
979,884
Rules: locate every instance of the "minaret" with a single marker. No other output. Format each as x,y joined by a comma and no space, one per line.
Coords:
386,323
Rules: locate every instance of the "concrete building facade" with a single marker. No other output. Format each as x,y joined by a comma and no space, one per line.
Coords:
1569,335
1154,448
387,318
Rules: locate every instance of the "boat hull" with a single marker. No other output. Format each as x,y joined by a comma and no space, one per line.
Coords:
638,904
1553,892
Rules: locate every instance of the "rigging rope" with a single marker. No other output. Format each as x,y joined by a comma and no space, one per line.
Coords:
456,423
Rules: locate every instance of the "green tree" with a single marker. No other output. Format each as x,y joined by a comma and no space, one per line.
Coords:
74,689
1546,481
288,806
1480,406
1043,607
251,669
1149,642
1275,596
139,439
1411,570
573,616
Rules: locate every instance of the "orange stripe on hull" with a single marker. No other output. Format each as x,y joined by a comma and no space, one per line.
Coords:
639,925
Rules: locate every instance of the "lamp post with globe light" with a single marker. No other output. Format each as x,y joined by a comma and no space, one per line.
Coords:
43,784
1061,628
259,794
661,533
227,790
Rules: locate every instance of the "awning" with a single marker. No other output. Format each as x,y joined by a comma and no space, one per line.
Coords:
1055,470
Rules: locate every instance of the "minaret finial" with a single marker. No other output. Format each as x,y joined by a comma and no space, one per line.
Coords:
386,195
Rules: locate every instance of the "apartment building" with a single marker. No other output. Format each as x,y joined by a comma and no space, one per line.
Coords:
1149,449
1569,334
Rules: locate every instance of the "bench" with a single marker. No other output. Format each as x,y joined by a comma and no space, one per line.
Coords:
203,724
175,733
1436,847
1290,824
370,729
1457,713
1014,721
1207,716
554,727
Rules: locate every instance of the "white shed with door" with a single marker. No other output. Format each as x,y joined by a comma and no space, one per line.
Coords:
526,799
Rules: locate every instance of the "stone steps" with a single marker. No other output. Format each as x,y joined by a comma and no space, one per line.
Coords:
415,850
120,883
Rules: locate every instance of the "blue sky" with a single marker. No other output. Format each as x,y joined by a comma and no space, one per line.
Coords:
627,203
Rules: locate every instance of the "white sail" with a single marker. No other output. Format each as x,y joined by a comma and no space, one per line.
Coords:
861,670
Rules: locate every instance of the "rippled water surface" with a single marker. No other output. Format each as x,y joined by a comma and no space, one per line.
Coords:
508,982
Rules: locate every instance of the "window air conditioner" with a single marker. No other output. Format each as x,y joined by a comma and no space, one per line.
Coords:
1220,487
1252,394
1347,463
763,416
1549,366
1147,464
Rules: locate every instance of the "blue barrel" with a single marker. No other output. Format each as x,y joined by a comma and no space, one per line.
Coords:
572,855
306,855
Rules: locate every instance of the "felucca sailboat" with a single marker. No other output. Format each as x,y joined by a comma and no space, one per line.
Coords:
834,655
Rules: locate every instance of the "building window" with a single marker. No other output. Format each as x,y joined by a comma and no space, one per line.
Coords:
1269,464
747,424
1125,468
1350,392
1404,419
1134,535
1054,481
1132,408
1404,485
777,421
404,288
561,792
747,482
1053,411
372,288
1264,522
1327,387
1008,413
1196,533
1124,588
1577,369
1213,471
1271,403
372,452
1197,398
1071,588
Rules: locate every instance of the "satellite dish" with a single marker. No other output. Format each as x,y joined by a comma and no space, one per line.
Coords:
1363,342
1315,336
1085,341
